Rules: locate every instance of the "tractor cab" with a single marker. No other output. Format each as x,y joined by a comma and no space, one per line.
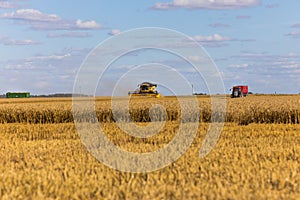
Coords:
239,91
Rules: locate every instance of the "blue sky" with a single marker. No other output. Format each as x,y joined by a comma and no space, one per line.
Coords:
252,42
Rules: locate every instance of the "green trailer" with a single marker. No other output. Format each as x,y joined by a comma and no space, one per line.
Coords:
17,94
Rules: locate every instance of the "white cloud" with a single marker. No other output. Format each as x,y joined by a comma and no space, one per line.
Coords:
214,40
219,25
258,69
11,42
18,66
196,58
243,17
292,55
291,65
31,15
248,56
50,57
87,24
239,66
69,34
163,6
264,63
211,38
7,4
64,76
296,25
37,73
206,4
294,34
114,32
41,21
21,42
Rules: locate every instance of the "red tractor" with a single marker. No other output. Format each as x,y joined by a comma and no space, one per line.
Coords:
239,91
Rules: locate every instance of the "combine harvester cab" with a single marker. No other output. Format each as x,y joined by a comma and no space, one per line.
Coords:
146,89
239,91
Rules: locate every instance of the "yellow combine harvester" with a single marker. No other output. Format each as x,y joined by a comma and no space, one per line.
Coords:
145,89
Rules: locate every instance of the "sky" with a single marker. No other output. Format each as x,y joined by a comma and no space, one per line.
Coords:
43,44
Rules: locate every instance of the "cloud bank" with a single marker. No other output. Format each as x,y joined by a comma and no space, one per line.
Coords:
13,42
41,21
206,4
7,5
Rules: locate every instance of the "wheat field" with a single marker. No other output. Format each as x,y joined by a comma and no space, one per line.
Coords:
256,157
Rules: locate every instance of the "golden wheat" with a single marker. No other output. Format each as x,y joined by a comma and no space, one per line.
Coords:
253,109
249,162
42,157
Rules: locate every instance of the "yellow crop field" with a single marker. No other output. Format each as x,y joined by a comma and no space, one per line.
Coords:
256,157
